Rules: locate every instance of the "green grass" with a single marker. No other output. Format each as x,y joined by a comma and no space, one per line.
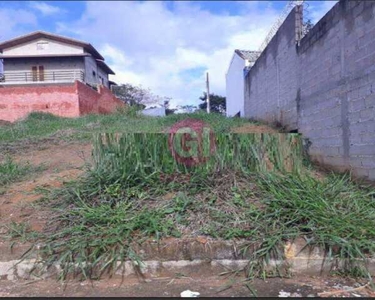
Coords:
141,157
97,225
335,214
20,231
41,125
11,171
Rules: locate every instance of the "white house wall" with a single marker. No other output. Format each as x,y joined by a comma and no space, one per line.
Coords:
51,48
235,87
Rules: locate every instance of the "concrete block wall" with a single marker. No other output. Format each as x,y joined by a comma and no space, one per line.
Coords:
321,91
272,83
332,87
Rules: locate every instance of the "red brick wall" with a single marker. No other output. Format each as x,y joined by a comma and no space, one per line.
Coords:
66,101
87,99
102,102
17,102
108,103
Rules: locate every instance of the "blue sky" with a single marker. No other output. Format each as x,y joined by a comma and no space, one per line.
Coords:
164,46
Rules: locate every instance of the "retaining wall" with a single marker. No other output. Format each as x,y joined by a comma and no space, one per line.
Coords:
70,100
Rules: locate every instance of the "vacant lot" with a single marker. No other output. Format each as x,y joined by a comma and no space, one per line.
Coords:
87,210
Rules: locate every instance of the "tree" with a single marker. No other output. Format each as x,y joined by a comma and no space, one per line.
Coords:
168,110
217,103
137,95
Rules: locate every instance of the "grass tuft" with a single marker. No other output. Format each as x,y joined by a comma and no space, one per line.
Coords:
10,171
335,214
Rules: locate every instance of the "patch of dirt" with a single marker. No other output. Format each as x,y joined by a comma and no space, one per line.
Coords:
213,286
63,162
62,156
251,128
29,144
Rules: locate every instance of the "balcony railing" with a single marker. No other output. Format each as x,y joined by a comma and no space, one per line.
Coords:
46,76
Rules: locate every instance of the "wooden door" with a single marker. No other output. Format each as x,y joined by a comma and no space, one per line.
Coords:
41,73
34,70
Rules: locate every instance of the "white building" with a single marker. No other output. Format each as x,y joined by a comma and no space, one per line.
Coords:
157,111
241,62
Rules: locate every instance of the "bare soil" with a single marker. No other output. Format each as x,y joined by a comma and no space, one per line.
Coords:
63,162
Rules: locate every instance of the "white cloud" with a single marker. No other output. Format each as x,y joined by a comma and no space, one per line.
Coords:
121,64
116,55
46,9
146,43
14,22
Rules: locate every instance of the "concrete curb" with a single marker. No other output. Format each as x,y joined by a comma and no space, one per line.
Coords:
299,259
16,269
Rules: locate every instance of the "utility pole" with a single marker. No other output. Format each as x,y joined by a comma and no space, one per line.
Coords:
208,93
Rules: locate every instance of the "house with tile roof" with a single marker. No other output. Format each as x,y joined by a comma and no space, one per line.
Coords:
41,58
46,72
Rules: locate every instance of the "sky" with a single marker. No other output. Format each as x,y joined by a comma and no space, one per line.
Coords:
167,46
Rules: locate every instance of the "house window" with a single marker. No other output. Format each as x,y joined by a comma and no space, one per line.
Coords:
94,73
42,46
